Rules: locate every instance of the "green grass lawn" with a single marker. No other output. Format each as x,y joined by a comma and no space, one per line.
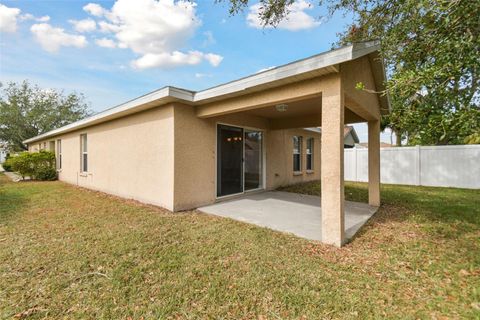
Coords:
67,252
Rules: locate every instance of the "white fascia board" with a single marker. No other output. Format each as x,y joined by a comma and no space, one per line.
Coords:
360,49
316,130
181,94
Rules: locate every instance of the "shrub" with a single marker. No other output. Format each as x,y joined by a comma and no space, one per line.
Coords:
47,174
38,165
22,163
7,166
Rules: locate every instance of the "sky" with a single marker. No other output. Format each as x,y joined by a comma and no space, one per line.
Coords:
114,51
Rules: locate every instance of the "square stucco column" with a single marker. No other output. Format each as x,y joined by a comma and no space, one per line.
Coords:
333,215
374,163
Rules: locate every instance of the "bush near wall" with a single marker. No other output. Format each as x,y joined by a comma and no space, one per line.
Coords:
37,166
6,165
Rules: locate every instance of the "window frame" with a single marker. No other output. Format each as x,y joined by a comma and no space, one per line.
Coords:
309,153
59,154
297,152
83,153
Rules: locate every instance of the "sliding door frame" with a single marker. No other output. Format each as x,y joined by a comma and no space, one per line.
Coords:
263,154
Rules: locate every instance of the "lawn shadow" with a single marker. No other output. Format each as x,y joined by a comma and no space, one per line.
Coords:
12,200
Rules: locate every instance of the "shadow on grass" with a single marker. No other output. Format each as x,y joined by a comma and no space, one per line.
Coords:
12,200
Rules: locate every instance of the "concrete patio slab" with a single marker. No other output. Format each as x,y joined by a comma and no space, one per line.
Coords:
289,212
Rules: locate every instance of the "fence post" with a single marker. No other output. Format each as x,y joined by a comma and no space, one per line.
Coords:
419,166
355,163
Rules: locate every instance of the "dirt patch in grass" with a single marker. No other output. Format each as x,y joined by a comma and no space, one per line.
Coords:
67,252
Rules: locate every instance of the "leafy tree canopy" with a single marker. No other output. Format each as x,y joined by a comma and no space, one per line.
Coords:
432,52
26,111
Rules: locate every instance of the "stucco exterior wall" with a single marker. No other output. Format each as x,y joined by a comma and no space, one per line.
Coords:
41,145
279,157
356,71
131,157
195,158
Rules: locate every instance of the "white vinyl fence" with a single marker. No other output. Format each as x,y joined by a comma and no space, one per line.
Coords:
441,166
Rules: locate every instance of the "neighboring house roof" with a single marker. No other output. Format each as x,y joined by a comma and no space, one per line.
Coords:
350,130
346,131
382,145
317,65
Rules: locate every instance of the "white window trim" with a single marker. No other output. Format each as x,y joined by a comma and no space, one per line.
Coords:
300,146
59,154
82,152
311,154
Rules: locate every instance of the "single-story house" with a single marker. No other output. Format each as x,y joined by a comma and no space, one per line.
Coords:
350,137
3,154
181,149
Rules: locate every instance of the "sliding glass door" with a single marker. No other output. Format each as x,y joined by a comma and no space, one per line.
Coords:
239,160
253,160
229,160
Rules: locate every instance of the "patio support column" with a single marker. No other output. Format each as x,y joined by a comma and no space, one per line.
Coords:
374,163
333,215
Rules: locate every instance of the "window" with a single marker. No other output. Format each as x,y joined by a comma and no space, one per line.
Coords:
310,154
84,154
44,146
297,154
59,154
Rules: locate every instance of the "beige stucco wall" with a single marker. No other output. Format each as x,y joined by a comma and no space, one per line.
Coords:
130,157
279,156
354,72
195,160
42,145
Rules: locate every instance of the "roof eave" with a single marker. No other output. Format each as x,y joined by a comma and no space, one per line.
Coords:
378,68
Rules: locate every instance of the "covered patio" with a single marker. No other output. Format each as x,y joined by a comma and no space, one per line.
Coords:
343,86
289,212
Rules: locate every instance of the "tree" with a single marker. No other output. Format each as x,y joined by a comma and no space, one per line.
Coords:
431,49
26,111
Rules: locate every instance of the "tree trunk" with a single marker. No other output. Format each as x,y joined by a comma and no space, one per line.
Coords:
398,139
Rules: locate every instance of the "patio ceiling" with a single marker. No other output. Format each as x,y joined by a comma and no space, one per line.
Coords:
307,111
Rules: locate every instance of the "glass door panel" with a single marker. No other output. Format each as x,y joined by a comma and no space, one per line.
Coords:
253,159
229,160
